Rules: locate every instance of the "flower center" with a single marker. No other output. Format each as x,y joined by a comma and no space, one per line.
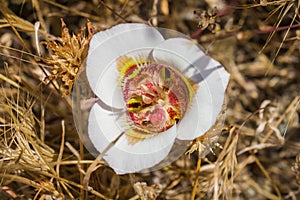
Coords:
156,95
153,107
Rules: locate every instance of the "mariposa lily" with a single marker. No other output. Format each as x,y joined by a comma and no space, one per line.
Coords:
151,89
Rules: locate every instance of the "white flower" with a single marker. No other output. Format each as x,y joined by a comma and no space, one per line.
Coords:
153,89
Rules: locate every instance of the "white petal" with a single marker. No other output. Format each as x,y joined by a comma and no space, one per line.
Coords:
197,120
178,52
106,46
211,77
124,157
109,126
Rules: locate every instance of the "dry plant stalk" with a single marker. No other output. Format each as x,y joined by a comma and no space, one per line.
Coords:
24,157
296,168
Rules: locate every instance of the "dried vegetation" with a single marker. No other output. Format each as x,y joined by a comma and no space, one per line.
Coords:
258,153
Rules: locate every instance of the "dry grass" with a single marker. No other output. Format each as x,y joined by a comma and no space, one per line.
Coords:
257,156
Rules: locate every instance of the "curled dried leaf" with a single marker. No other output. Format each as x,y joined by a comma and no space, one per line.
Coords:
207,19
147,192
67,56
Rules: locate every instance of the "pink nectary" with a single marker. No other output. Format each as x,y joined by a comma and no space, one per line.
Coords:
158,116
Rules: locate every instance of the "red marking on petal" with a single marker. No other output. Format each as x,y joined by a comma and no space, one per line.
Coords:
172,113
173,100
130,69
